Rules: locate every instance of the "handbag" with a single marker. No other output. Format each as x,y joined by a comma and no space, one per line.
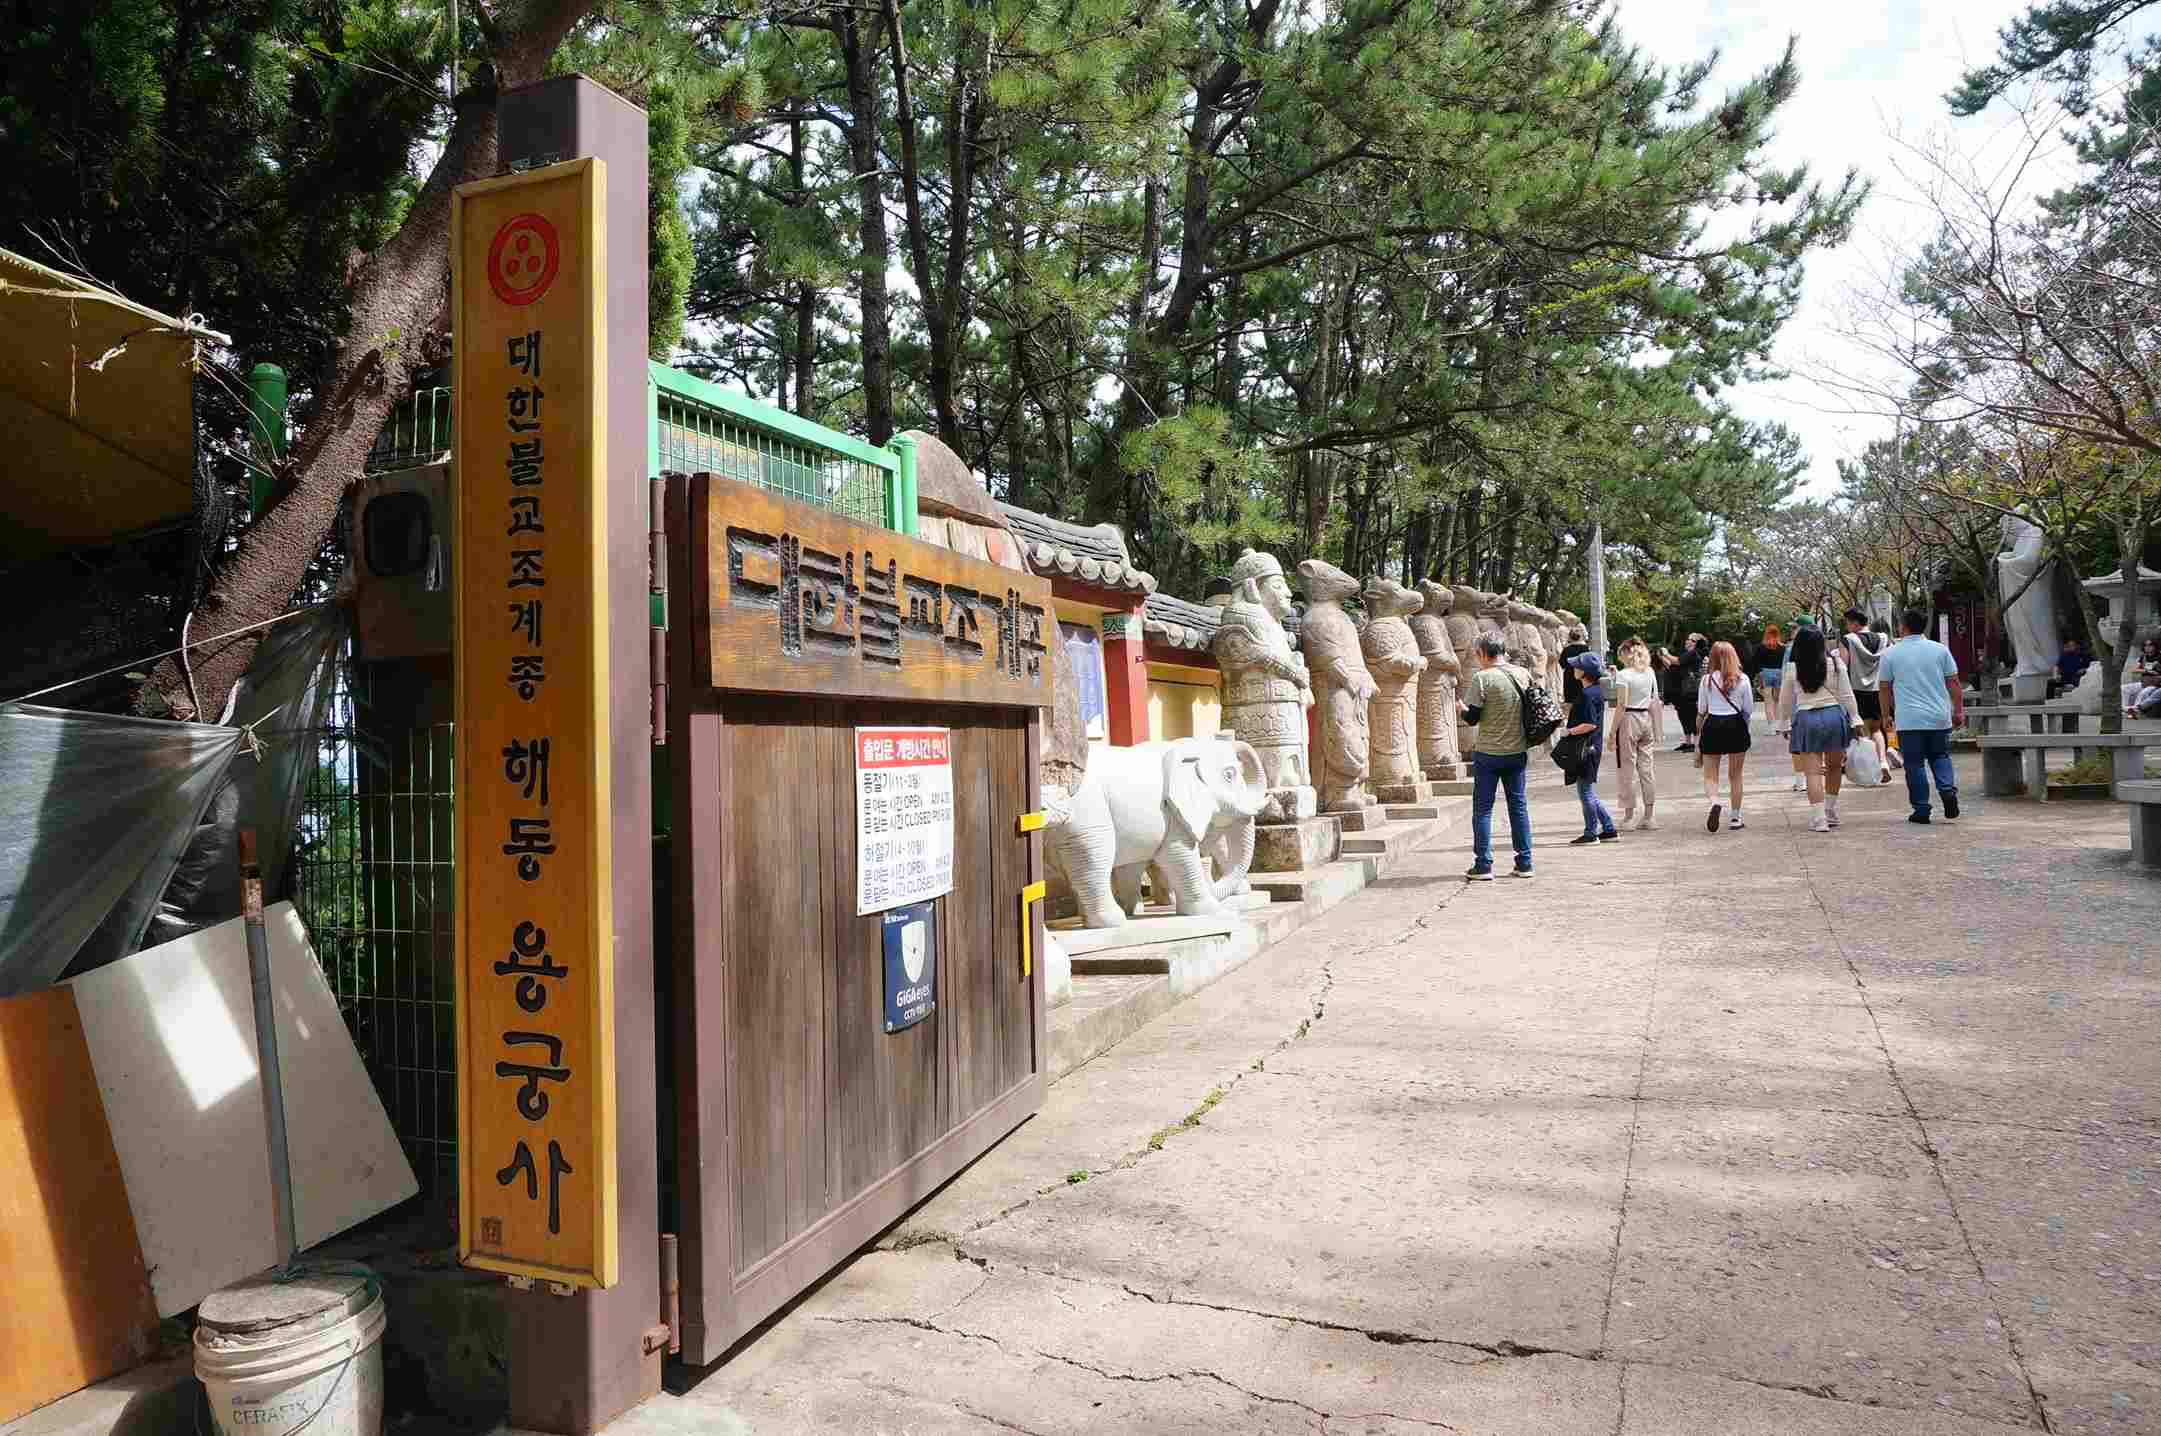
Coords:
1541,711
1568,753
1862,763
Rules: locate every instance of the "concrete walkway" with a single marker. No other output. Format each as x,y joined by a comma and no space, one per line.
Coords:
1764,1132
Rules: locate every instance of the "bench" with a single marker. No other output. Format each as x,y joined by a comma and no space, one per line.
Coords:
2018,762
2058,717
2143,797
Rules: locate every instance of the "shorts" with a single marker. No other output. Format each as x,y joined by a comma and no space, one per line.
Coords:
1724,733
1870,702
1820,730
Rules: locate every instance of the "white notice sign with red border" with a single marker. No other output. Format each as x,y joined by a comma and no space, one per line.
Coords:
903,816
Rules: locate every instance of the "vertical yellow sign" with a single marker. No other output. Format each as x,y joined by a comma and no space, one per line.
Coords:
536,1058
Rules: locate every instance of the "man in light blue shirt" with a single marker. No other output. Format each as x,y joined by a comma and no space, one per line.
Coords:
1923,700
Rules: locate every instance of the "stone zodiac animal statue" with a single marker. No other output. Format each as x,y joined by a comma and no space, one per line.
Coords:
1392,657
1463,631
1526,645
1341,688
1440,757
1156,805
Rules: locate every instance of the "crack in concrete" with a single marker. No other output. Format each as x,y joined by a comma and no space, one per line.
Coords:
1486,1353
1635,1124
888,1389
1926,1144
1107,1374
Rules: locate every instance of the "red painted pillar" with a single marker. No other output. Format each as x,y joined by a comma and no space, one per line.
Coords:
1125,678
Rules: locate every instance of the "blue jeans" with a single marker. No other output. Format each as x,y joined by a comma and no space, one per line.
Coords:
1927,752
1596,819
1489,772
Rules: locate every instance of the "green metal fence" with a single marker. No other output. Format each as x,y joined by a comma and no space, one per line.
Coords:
697,427
417,432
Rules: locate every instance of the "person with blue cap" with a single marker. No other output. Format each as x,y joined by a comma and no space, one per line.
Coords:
1587,720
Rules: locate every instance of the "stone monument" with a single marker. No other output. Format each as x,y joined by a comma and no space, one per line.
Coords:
1555,633
1440,754
2030,618
1341,689
1266,692
1391,654
1492,613
1526,647
1463,633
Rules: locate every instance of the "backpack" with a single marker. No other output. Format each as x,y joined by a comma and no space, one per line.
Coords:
1541,712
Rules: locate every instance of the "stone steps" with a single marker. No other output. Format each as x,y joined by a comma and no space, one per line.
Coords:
1104,1012
1125,977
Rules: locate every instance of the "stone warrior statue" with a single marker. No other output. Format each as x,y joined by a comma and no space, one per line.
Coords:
1341,686
1266,690
1463,631
1440,758
1526,645
1391,655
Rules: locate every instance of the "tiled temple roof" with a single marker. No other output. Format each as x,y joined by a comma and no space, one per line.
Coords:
1177,623
1096,555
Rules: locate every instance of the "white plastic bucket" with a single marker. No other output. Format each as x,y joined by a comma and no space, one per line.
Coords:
318,1372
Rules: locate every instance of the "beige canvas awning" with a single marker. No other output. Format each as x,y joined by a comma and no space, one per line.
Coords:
97,412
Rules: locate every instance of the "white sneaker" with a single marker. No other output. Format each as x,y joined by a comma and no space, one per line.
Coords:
1735,822
1649,824
1819,825
1800,784
1831,818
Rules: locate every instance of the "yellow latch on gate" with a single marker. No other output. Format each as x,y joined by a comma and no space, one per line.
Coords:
1029,895
1031,822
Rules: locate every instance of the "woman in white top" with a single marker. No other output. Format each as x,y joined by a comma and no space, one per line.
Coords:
1819,697
1724,702
1632,691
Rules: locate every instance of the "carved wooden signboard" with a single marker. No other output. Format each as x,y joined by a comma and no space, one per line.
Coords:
802,600
536,1061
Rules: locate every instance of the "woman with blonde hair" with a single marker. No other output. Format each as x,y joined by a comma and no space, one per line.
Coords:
1724,702
1633,694
1818,698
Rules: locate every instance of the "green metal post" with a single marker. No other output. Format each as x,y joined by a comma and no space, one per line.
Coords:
904,481
266,414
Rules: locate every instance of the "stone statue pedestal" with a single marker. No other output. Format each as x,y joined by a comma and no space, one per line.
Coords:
1310,842
1288,805
1444,772
1418,792
1361,820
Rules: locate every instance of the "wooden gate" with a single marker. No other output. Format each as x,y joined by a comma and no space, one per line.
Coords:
803,1127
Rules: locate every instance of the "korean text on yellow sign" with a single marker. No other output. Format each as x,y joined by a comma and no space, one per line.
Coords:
536,1063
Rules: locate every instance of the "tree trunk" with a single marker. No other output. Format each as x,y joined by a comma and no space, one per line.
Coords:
806,297
877,251
401,290
1418,544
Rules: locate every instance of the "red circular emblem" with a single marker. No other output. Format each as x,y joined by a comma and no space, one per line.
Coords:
522,259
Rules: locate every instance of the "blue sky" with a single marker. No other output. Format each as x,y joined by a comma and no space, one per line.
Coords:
1868,70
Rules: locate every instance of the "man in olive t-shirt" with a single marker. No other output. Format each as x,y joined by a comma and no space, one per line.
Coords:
1493,700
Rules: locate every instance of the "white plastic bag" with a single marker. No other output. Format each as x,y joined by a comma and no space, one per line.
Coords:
1862,764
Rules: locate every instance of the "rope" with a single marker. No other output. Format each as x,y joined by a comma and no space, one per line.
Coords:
155,657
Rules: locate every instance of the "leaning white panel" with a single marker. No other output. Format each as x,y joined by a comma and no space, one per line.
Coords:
171,1036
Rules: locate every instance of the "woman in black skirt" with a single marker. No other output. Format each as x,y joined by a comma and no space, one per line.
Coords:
1724,702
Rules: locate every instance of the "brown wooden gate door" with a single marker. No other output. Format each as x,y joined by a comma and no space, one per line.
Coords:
803,1126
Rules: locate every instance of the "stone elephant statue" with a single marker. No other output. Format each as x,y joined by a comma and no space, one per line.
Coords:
1160,805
